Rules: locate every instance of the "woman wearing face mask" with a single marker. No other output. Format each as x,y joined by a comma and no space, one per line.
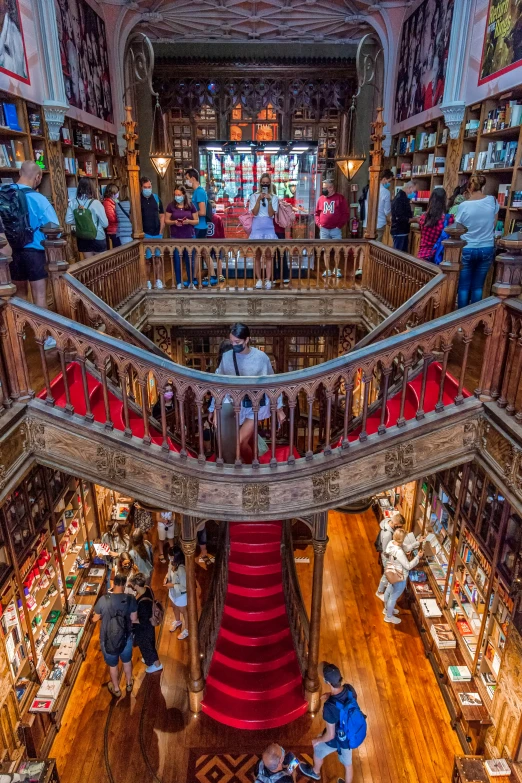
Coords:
169,402
109,204
245,360
263,206
181,215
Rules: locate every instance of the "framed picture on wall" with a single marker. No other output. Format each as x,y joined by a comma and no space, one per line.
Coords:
502,50
13,58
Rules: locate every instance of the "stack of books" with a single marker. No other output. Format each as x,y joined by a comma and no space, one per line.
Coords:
497,768
471,129
466,162
504,116
430,607
502,198
499,155
425,140
443,636
459,673
406,144
422,589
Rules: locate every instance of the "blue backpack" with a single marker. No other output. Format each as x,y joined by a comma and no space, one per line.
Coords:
438,247
352,722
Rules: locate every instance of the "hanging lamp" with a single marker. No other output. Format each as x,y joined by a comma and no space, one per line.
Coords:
351,162
160,152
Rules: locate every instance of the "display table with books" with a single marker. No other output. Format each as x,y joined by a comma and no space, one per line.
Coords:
477,769
469,715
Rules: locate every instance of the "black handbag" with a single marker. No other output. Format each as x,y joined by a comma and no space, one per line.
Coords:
247,402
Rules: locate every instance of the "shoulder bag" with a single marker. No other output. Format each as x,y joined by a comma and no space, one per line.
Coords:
247,402
394,572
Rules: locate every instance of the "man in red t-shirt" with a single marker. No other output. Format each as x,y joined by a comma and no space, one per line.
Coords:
216,230
331,212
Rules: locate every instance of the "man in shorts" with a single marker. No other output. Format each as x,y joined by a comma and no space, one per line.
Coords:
166,532
29,263
329,742
117,602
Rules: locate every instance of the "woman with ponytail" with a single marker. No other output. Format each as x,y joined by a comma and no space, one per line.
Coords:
478,215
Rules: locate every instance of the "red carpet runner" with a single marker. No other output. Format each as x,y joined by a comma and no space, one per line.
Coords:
254,680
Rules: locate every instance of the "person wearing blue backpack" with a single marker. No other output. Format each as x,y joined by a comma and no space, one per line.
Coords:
345,726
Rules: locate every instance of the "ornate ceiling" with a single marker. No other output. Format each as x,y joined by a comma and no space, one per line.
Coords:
306,21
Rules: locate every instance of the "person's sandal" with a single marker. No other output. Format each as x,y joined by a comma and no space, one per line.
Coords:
162,559
112,689
130,686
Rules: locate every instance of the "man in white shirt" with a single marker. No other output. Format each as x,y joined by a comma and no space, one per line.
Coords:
384,208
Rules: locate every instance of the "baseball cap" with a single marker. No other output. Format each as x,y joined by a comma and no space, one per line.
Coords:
332,675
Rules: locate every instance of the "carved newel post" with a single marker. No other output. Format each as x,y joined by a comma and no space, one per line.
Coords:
133,171
57,265
451,266
508,267
376,153
8,379
312,685
196,681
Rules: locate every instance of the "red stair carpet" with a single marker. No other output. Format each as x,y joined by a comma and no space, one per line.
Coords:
254,680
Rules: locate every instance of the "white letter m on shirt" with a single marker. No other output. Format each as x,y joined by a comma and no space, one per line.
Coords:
329,206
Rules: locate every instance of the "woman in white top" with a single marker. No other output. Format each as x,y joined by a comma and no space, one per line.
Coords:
478,214
86,200
176,581
263,206
397,556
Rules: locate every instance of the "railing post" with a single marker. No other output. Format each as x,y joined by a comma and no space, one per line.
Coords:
312,685
11,353
133,171
451,265
57,266
508,267
196,681
375,171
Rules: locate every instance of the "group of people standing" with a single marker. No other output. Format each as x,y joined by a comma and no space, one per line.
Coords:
468,207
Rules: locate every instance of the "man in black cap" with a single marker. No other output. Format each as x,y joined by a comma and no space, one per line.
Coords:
330,741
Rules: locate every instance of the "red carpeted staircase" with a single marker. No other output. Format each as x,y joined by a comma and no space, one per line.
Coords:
254,680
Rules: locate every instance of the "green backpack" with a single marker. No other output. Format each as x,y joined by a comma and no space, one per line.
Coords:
85,225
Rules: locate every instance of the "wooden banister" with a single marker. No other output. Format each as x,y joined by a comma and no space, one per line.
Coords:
295,607
212,612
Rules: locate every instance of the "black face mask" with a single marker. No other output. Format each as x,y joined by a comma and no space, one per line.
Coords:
325,192
239,348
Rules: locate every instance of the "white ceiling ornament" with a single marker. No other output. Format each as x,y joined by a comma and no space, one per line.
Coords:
336,21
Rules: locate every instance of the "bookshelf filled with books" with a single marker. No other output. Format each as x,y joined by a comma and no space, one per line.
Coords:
474,541
88,152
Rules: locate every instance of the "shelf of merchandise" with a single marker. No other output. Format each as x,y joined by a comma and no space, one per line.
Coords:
416,155
325,130
96,149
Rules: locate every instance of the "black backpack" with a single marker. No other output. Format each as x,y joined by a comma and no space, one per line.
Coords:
378,542
116,630
15,216
209,213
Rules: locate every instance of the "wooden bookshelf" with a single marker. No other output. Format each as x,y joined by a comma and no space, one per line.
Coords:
89,152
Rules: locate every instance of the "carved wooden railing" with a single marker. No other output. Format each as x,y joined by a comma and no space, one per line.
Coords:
295,607
340,388
212,612
394,277
114,276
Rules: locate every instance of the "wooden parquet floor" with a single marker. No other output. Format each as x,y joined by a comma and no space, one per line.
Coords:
151,737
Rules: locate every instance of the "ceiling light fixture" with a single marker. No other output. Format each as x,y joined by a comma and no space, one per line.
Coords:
351,162
160,152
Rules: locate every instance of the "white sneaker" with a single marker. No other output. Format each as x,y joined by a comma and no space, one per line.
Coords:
338,273
49,343
154,668
259,284
380,595
394,620
179,286
286,281
175,625
149,285
159,284
268,284
184,634
395,611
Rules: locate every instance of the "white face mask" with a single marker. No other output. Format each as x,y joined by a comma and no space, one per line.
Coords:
116,196
188,183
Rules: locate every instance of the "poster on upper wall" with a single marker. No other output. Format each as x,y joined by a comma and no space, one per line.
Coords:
502,49
423,56
85,60
13,57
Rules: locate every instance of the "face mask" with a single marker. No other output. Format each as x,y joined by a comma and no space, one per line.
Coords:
168,395
188,183
179,199
325,192
238,348
116,196
412,195
214,210
386,185
147,192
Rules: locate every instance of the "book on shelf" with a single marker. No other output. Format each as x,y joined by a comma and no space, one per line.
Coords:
471,128
422,589
466,162
439,165
506,115
35,123
490,683
459,673
406,144
425,140
499,155
497,768
11,116
470,699
39,158
77,137
66,136
49,689
516,201
42,705
443,636
430,607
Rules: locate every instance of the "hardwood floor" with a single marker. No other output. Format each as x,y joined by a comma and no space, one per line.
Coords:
151,736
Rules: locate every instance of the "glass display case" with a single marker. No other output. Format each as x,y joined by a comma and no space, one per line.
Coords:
230,171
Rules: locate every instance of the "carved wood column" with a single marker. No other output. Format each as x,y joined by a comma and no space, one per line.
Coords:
196,682
55,256
133,172
376,153
451,265
312,685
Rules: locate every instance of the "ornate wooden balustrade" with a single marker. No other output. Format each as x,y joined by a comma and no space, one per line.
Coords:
114,276
295,607
321,402
210,620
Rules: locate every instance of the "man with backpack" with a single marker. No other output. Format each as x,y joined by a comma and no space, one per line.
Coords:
23,212
117,611
345,726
